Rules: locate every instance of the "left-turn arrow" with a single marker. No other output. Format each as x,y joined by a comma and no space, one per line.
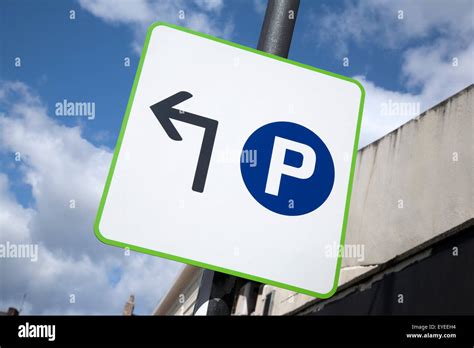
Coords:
164,112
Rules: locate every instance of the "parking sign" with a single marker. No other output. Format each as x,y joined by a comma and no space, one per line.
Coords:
234,160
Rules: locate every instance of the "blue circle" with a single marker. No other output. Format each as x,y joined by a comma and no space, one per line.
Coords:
295,196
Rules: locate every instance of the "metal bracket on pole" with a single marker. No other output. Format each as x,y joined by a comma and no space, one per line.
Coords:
217,291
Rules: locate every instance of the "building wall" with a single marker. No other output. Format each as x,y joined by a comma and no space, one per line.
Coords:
415,183
413,286
182,295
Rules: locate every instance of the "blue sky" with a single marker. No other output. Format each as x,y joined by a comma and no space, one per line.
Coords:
82,59
408,59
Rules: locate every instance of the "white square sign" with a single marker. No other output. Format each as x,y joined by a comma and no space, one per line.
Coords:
234,160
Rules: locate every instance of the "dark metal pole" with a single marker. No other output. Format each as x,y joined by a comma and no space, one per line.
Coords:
217,291
278,26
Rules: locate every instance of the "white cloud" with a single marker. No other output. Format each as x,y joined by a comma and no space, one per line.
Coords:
59,165
14,219
429,38
377,22
260,6
200,15
210,5
439,69
120,11
431,70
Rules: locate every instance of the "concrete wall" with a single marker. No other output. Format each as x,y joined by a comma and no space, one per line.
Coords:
414,183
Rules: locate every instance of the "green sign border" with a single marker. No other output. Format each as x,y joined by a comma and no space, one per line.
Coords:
201,264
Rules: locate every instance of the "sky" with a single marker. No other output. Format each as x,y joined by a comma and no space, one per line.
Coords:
53,168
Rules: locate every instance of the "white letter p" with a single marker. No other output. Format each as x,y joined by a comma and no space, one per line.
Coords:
279,168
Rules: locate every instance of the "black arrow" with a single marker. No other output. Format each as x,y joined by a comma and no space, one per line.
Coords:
164,112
